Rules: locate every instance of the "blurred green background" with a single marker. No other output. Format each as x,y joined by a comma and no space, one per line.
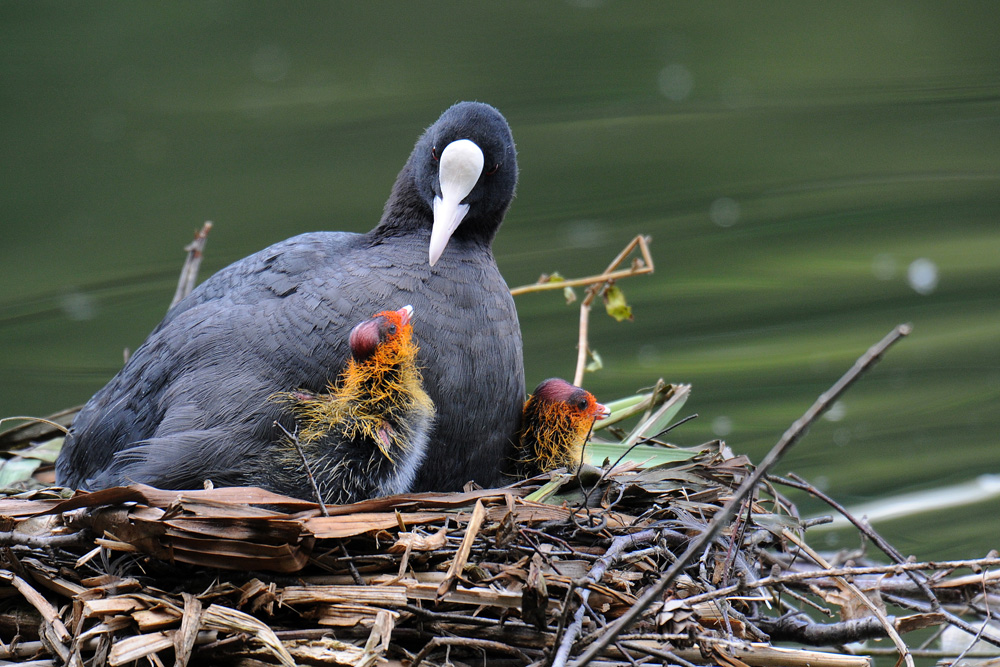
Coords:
811,175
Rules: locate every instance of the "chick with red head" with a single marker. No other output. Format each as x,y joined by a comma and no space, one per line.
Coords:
367,436
555,424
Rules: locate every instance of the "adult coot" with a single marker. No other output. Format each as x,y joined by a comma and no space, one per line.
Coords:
557,419
194,396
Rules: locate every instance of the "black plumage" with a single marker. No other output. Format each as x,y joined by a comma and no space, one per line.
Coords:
192,401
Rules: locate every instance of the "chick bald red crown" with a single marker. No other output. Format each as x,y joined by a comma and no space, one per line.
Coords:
581,401
366,337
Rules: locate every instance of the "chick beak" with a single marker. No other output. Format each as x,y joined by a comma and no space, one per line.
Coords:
601,411
461,165
405,314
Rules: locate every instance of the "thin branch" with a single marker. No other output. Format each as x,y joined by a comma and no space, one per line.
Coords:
614,552
797,482
796,577
982,628
643,267
597,284
294,437
844,584
801,629
481,644
37,420
189,272
42,541
790,437
583,338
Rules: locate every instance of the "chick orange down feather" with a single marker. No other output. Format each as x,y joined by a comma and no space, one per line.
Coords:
367,436
554,426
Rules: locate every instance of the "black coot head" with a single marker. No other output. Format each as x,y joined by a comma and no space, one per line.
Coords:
465,170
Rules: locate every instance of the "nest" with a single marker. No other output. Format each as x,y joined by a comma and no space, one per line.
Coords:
535,573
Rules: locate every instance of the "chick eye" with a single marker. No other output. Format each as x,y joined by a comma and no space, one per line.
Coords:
434,153
493,170
392,330
582,404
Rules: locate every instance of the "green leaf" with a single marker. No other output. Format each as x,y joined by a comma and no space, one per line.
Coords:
17,470
650,455
569,294
596,363
47,451
548,489
661,417
614,302
623,408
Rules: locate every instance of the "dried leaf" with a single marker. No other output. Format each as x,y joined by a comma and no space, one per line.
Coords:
419,541
535,596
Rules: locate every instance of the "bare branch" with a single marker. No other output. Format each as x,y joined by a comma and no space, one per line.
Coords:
790,437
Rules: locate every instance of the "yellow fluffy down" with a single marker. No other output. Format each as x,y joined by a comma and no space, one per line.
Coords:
555,437
365,398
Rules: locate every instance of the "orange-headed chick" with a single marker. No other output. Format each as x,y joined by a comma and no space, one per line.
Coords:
367,436
554,427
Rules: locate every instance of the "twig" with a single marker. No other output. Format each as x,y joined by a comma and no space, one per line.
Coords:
790,437
584,505
582,342
645,267
785,590
43,541
355,575
982,628
294,437
462,557
801,629
794,577
37,419
666,656
189,272
465,642
843,583
597,284
798,483
597,571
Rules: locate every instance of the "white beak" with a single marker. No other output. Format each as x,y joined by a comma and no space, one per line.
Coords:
461,166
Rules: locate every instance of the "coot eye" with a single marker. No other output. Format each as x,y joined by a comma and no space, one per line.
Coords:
493,170
434,153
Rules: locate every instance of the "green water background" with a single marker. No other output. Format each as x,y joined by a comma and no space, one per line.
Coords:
811,175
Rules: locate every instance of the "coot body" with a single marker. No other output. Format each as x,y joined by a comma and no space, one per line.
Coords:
194,395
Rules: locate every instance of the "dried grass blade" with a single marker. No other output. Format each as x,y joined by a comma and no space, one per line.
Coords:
38,601
350,525
190,624
382,596
462,557
131,649
222,618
